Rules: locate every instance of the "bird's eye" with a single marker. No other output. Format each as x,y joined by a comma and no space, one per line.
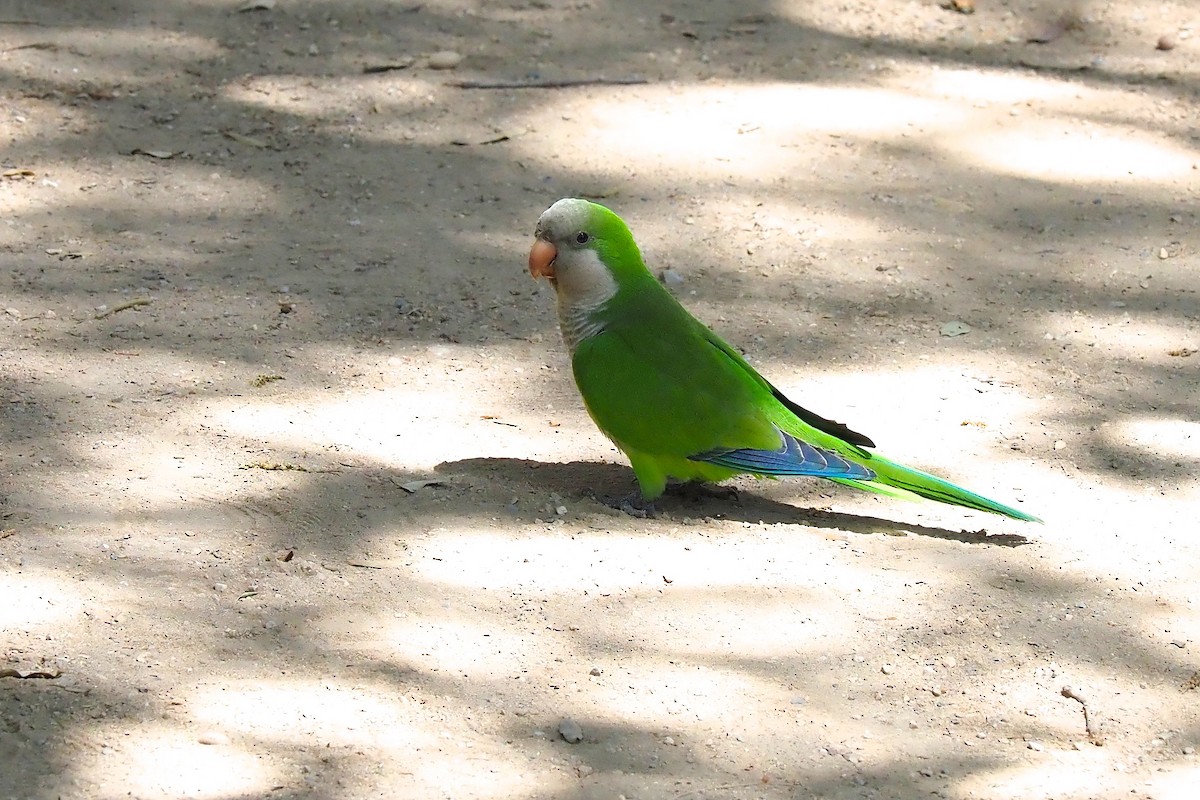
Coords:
582,237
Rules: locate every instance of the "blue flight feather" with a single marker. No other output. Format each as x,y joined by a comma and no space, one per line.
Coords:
793,458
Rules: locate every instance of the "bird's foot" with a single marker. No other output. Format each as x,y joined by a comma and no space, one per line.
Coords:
632,504
635,506
695,491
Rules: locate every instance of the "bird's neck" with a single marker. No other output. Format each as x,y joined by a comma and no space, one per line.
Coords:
579,320
584,290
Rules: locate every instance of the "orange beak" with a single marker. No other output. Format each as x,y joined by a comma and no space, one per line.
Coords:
541,259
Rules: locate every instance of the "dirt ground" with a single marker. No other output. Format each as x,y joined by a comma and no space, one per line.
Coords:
297,489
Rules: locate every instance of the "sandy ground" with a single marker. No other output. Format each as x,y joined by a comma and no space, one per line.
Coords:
254,299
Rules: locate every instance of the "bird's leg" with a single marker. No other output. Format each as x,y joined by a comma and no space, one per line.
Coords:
696,491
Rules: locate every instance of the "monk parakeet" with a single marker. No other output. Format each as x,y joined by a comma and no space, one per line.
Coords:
673,396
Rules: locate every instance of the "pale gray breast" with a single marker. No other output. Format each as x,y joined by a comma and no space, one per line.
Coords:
584,286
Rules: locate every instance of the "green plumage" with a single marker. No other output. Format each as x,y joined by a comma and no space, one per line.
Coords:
679,401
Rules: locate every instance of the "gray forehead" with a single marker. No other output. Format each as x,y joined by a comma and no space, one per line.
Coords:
564,217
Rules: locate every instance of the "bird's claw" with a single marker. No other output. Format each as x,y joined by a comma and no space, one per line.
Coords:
696,492
635,506
631,504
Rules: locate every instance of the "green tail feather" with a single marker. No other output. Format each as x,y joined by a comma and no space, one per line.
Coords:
895,480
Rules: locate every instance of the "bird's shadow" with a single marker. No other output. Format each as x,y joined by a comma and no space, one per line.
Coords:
592,479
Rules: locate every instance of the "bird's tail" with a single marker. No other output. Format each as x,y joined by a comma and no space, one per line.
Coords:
896,480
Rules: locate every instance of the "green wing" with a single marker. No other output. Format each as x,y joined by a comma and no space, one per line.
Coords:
662,395
680,402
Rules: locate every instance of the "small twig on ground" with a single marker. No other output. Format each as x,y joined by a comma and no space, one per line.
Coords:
705,790
564,83
31,46
36,673
128,304
275,466
375,69
1092,728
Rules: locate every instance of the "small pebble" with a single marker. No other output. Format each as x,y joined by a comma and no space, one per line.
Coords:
949,662
936,691
1165,42
887,669
669,741
570,731
445,59
1189,751
594,672
671,278
1035,746
212,737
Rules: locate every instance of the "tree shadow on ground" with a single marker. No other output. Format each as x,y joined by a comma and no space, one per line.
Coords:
210,230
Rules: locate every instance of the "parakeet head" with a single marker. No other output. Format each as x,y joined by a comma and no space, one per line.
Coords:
582,245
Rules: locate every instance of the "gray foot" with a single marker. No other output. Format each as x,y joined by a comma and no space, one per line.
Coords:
696,492
631,504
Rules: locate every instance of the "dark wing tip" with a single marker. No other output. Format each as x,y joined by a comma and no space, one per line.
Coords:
820,423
